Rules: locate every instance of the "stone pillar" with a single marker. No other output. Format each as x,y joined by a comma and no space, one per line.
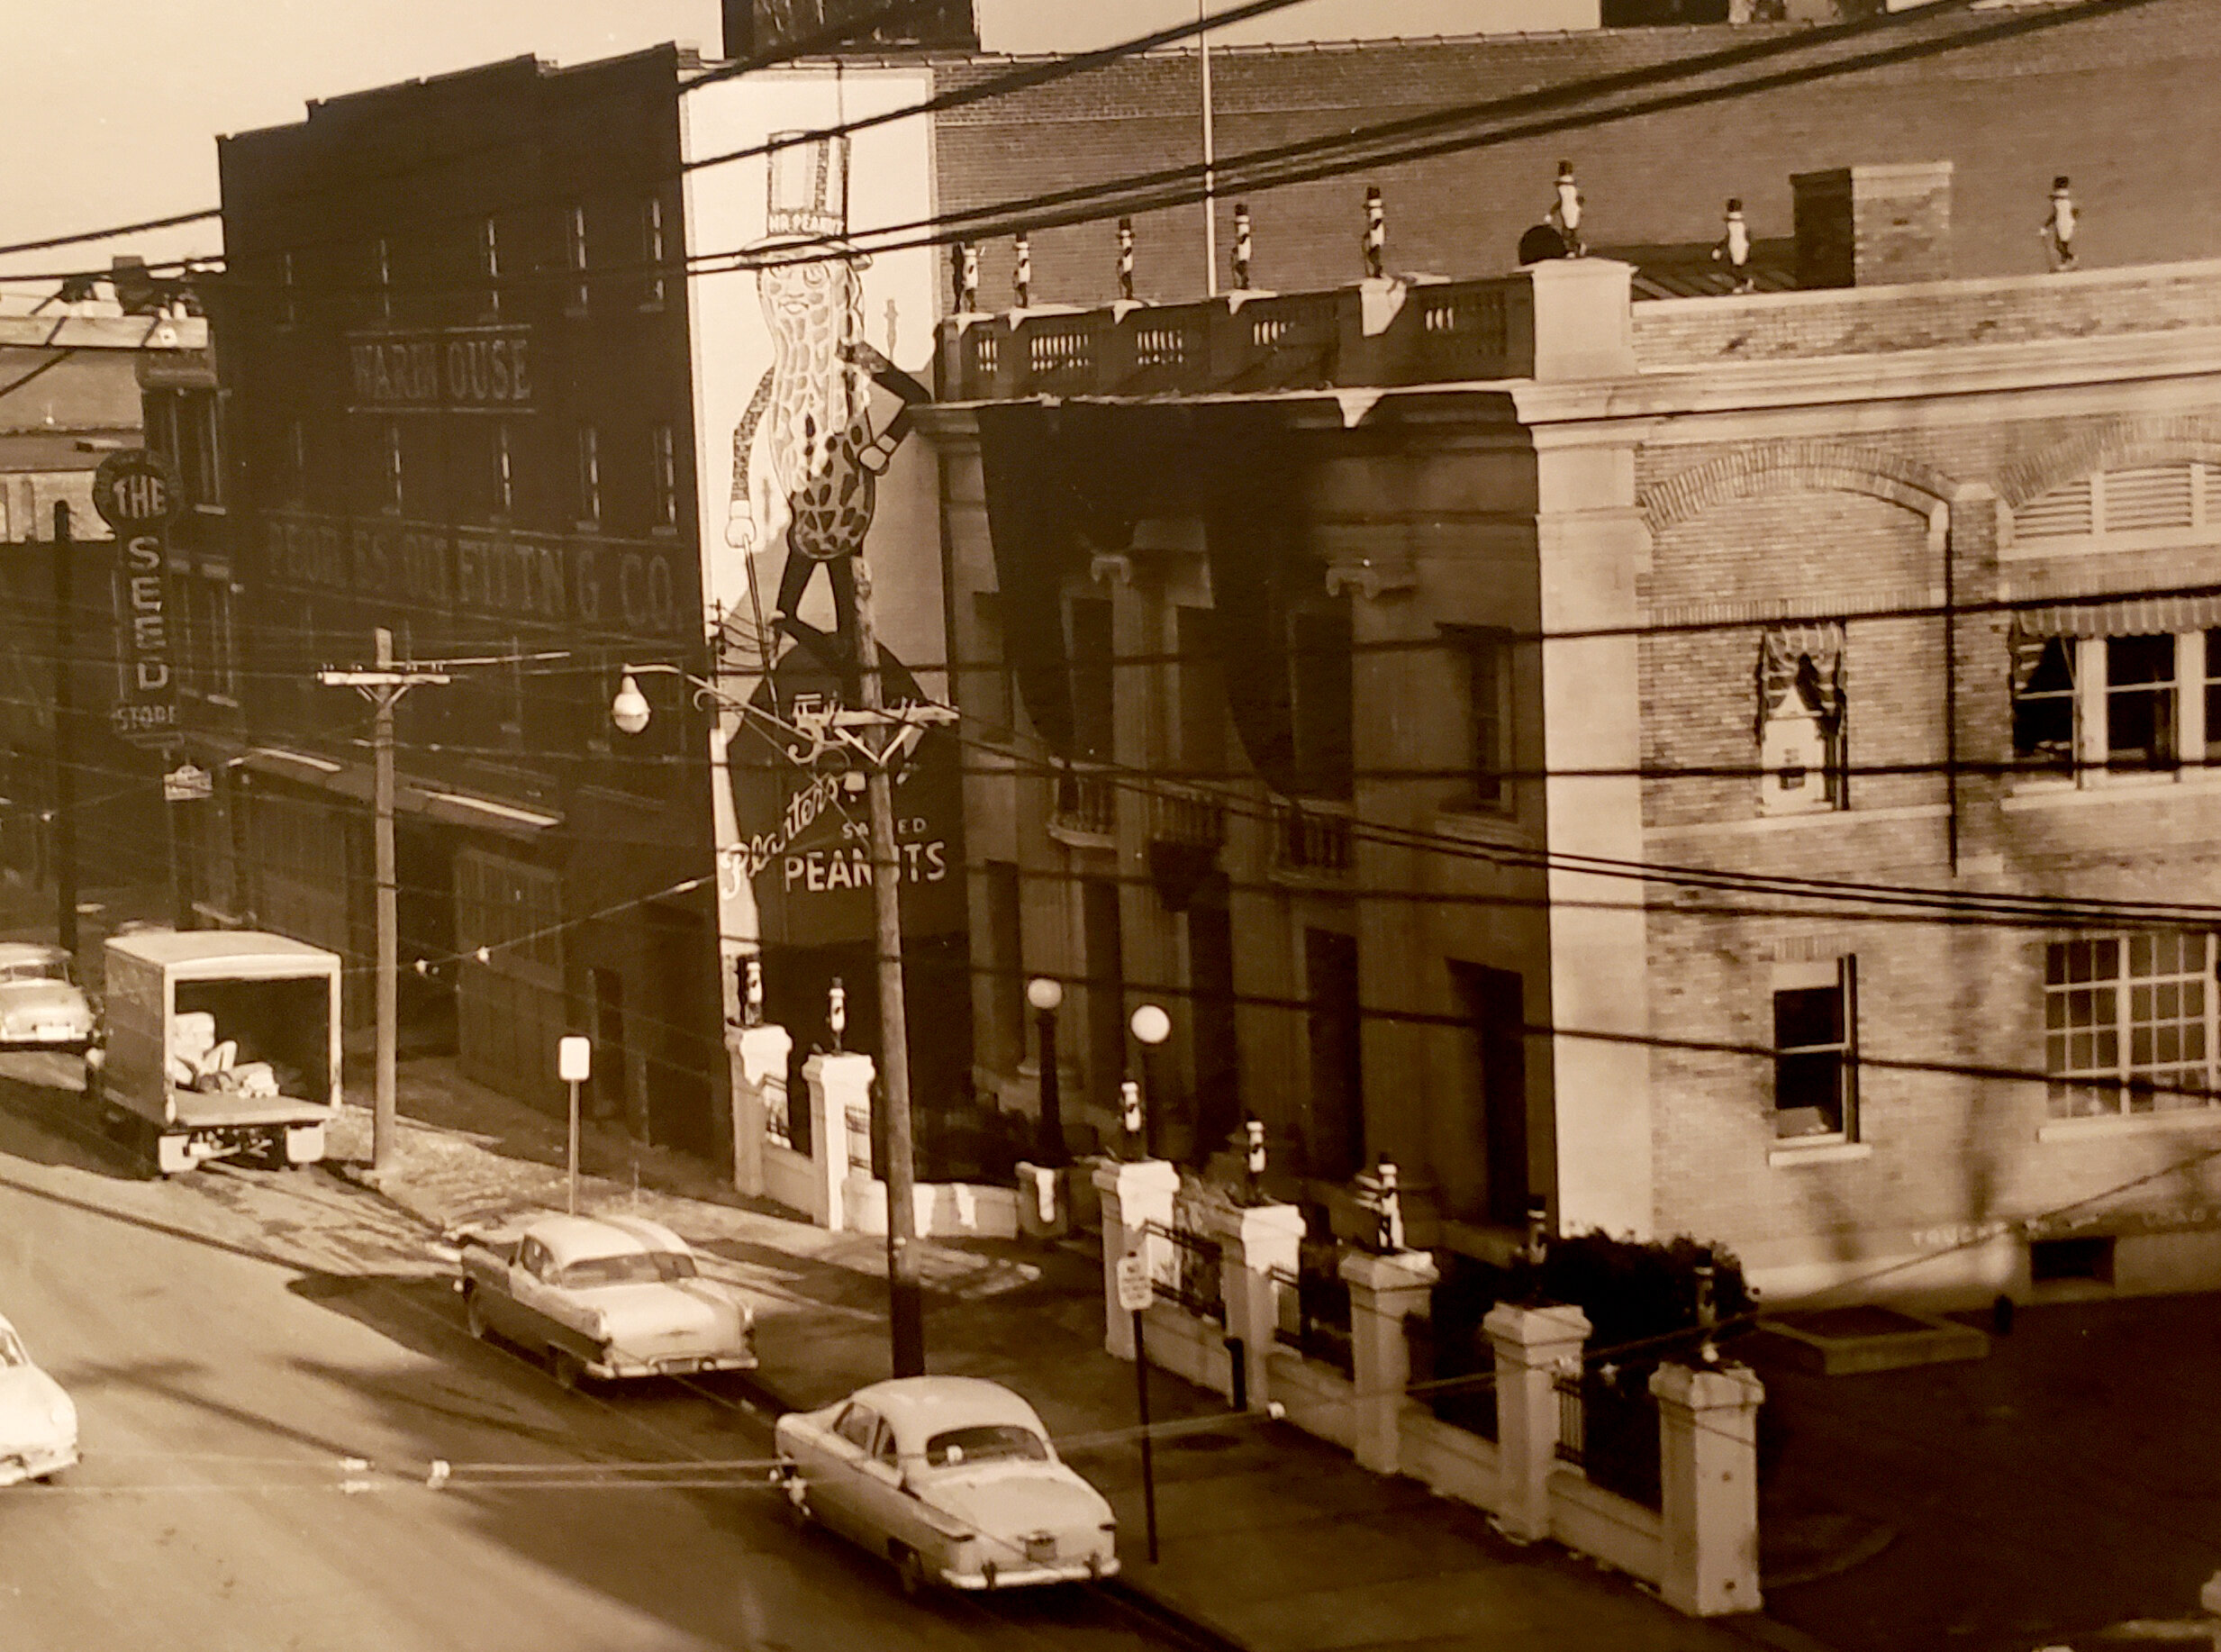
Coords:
1254,1242
1707,1461
1134,1198
1382,1288
1531,1345
836,1084
758,1091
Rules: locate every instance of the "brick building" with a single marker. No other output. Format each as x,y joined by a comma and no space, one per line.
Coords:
475,398
1731,766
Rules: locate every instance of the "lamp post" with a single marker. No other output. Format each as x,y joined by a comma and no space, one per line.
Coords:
880,735
1045,994
573,1064
1150,1027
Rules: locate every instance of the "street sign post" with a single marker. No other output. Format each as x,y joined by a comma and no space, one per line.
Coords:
1137,1290
187,782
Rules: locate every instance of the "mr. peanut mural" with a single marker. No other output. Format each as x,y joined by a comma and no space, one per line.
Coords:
805,457
809,452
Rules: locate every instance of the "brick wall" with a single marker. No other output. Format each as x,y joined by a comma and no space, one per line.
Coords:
2123,108
1737,527
1698,331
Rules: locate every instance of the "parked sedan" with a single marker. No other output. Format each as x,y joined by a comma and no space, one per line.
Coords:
952,1479
41,1005
38,1424
605,1296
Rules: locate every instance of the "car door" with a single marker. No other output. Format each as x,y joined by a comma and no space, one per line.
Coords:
529,1294
893,1514
835,1480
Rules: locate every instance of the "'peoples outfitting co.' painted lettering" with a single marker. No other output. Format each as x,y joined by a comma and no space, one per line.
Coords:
462,367
431,566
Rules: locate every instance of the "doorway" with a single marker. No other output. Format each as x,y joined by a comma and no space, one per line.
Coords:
1495,1010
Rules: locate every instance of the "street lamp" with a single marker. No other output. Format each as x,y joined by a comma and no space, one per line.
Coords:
1150,1027
880,737
1045,994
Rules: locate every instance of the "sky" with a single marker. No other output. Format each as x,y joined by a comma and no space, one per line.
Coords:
114,109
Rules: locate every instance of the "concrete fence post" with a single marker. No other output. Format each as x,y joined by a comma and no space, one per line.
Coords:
760,1056
1708,1463
838,1084
1383,1287
1254,1243
1532,1345
1134,1197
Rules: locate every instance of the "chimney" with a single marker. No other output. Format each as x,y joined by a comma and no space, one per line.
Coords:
765,28
1870,226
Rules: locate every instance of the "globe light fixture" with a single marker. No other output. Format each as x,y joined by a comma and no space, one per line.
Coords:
1045,994
1151,1025
628,710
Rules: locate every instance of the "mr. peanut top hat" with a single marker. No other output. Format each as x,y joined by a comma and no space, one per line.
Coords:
808,187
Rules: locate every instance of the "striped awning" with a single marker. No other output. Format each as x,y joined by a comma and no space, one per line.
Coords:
2149,616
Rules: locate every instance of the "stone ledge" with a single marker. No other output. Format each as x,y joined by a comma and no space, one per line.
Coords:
1848,1342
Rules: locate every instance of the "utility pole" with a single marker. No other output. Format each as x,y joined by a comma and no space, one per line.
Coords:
905,1301
383,687
1210,167
65,738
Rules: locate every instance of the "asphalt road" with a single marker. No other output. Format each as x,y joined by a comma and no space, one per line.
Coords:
266,1365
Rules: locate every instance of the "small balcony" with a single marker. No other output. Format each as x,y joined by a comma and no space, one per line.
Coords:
1312,840
1188,817
1086,809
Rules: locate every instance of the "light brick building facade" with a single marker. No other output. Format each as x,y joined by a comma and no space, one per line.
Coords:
1711,764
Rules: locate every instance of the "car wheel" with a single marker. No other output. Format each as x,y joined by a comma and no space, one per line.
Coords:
910,1571
569,1370
473,1315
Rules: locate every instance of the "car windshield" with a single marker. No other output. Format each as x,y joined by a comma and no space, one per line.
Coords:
994,1442
36,969
11,1350
633,1267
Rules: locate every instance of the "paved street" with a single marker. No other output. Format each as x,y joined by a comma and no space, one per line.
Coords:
232,1340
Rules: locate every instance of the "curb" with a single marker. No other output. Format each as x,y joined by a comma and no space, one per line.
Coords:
1153,1607
1762,1630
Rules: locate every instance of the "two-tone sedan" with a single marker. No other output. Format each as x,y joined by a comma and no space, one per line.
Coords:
952,1479
604,1296
41,1005
38,1423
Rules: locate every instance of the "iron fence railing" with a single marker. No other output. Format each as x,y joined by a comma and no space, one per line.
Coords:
1608,1427
1189,1274
1314,1317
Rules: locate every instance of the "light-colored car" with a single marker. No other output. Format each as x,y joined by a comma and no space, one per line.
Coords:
952,1479
41,1005
604,1296
38,1423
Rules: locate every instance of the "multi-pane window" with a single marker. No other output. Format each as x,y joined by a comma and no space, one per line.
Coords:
504,471
1321,690
207,444
2114,702
2140,703
2132,1016
390,454
490,259
2043,701
1487,665
574,242
589,473
651,246
663,455
1816,1059
217,658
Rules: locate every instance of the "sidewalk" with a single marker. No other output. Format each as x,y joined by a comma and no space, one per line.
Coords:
1268,1540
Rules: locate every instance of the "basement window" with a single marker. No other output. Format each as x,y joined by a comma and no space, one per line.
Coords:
2050,1261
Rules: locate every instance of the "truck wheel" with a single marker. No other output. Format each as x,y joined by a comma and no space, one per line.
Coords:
474,1313
569,1370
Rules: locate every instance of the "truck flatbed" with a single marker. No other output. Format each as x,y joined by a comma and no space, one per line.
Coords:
212,1109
